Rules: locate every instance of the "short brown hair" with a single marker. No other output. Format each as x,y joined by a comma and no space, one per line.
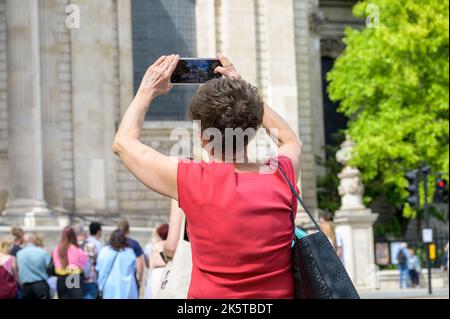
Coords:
227,103
17,232
123,225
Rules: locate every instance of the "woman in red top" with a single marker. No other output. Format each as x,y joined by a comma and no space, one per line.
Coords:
238,213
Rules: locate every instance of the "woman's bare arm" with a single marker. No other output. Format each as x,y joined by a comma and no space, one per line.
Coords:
288,143
176,217
154,169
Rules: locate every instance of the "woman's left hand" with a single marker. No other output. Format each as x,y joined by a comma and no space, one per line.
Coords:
156,80
227,69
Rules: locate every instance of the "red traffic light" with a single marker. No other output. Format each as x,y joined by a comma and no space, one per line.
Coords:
440,183
441,191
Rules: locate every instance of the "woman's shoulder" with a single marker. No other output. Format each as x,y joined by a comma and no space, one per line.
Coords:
280,160
128,251
194,164
75,249
200,173
105,249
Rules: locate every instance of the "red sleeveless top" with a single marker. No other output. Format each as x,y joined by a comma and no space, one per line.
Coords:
8,284
240,229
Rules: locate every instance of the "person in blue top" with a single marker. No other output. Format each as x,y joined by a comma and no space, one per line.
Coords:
414,268
116,267
402,262
124,227
32,263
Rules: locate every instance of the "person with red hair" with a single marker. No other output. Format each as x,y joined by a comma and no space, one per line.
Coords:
70,262
157,264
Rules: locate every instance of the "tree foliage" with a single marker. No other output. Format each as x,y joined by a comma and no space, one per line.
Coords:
392,82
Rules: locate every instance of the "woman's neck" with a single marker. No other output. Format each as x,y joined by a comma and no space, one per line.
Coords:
235,159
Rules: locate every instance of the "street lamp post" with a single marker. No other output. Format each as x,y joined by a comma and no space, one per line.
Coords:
426,171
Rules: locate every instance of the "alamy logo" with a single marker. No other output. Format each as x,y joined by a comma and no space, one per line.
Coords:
373,16
73,281
73,19
231,146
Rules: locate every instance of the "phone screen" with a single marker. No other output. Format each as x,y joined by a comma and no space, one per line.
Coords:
195,71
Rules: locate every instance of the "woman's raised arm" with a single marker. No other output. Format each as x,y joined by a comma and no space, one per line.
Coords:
154,169
288,143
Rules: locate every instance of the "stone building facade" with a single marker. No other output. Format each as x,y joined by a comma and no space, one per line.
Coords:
63,91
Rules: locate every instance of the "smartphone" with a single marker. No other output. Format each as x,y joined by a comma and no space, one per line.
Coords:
195,71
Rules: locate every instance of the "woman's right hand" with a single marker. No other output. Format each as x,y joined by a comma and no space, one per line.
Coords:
156,80
227,69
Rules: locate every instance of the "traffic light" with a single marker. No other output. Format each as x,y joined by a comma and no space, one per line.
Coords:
432,251
413,188
441,191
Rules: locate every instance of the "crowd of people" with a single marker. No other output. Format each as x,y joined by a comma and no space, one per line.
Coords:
81,266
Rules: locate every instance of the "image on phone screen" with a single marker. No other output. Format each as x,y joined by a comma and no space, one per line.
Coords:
195,71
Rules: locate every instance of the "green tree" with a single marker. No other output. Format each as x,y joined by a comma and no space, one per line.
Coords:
392,82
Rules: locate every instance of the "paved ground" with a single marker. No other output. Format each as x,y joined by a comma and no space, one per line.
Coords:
412,293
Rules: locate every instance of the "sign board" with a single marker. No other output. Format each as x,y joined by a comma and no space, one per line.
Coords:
382,253
395,248
427,235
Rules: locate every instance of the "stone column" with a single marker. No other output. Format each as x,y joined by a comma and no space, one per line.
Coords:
281,76
25,196
49,51
94,58
315,77
237,36
354,223
125,54
307,100
205,19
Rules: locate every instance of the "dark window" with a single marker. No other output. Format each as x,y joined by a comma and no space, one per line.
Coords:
163,27
334,121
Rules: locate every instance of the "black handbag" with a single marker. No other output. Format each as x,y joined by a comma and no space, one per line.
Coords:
318,271
51,268
100,288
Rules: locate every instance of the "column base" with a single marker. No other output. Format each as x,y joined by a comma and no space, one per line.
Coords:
28,213
355,236
24,205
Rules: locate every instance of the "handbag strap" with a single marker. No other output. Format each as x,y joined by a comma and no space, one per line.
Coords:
299,199
183,230
109,271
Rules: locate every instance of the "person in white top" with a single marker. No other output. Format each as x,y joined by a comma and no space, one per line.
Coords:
95,230
157,263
